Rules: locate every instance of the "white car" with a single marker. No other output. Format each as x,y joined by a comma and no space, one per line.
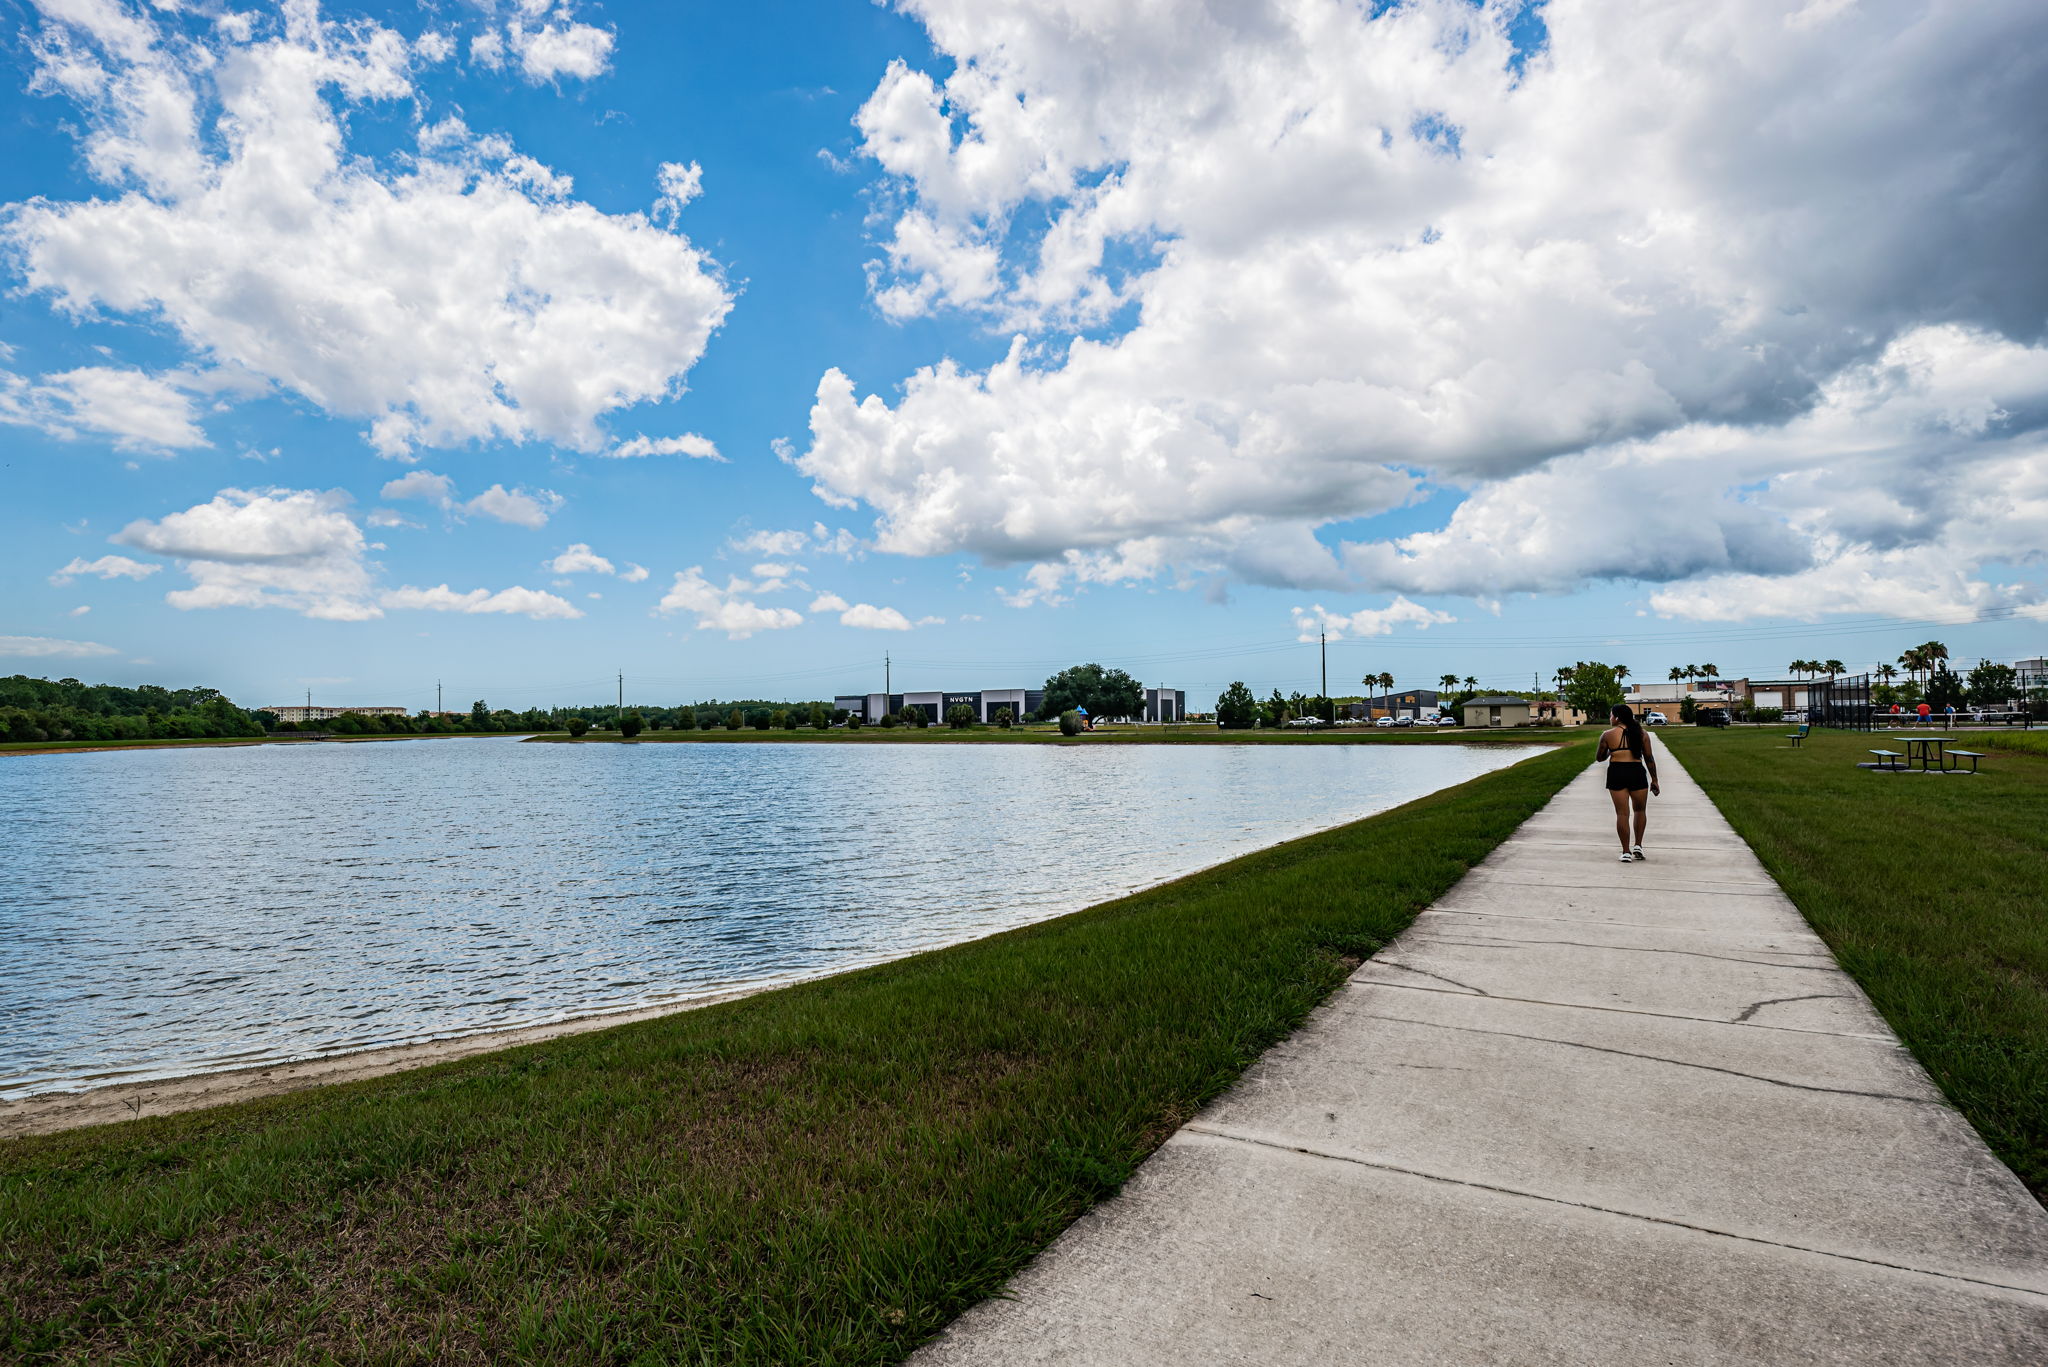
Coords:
1384,721
1306,721
1655,719
1446,721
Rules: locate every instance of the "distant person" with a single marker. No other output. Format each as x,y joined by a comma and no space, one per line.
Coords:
1925,712
1631,777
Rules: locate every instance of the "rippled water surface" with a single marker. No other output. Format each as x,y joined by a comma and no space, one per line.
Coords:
175,911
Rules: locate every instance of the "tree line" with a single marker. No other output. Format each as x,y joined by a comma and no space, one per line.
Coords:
64,709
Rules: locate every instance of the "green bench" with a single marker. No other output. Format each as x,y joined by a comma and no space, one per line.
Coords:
1889,759
1970,755
1799,735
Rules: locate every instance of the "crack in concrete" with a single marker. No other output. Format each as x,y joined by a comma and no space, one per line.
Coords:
1582,921
1389,963
1636,949
1674,1062
1215,1132
1754,1007
1634,1011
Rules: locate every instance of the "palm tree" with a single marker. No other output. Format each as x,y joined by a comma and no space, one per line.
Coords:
1835,667
1447,682
1914,659
1887,672
1471,683
1386,681
1677,673
1691,672
1368,683
1710,672
1620,673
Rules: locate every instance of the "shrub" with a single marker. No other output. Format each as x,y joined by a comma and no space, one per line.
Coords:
760,719
890,721
1688,711
853,722
686,720
959,716
778,720
1237,709
631,725
820,717
840,714
1003,718
1070,723
734,721
1769,716
578,725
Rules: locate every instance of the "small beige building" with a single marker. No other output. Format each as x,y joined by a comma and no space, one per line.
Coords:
1498,709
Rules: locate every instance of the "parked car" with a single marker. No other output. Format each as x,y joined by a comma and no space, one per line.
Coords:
1384,721
1447,721
1710,716
1655,719
1306,721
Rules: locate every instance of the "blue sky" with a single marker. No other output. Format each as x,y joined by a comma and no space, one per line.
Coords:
1021,338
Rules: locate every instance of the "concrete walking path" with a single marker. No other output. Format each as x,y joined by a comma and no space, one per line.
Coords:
1581,1112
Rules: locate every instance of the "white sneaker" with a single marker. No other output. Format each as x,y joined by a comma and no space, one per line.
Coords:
1640,856
1627,858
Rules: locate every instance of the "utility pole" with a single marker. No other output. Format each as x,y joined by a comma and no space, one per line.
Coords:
437,697
888,687
622,692
1323,643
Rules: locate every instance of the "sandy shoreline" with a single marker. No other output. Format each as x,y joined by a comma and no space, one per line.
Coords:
167,1096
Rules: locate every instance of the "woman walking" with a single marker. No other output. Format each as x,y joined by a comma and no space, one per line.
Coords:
1631,776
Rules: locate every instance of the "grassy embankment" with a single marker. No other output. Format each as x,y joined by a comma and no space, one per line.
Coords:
38,747
1929,889
825,1174
1115,735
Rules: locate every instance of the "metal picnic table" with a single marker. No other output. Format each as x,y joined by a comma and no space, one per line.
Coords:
1927,750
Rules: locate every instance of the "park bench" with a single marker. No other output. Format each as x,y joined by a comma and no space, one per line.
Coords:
1970,755
1889,759
1799,735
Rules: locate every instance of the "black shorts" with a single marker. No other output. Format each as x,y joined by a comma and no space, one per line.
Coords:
1627,775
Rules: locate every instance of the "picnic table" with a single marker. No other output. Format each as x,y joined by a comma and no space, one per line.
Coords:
1925,751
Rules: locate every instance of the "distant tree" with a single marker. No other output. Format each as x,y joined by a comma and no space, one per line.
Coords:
1688,711
631,724
1103,692
265,719
1447,682
916,717
734,720
1237,709
853,721
479,716
1003,718
577,726
820,716
1944,688
778,719
1471,683
686,719
1276,710
890,721
960,716
760,719
1992,685
840,714
1592,689
1070,723
791,719
1834,667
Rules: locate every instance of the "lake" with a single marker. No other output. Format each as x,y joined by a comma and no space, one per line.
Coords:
180,911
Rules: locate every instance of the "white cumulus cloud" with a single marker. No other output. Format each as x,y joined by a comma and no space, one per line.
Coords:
871,618
1311,622
297,549
688,444
438,490
137,410
1269,264
516,506
726,609
455,295
580,559
106,567
516,601
51,648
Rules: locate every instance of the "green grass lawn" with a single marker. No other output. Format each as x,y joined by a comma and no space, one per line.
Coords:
824,1174
1932,890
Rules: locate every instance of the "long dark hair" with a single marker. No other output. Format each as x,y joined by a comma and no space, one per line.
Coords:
1631,729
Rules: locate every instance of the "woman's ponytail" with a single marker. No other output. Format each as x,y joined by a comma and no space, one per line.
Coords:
1631,729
